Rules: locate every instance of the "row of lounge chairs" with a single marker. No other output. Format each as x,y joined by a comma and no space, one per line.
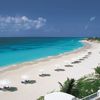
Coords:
26,80
81,59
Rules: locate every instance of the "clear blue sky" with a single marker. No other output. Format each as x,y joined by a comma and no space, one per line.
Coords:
49,18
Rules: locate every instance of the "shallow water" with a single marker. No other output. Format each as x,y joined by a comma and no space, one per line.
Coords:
17,50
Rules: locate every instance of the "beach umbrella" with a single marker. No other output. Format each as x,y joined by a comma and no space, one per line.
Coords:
66,62
25,77
57,66
59,96
75,59
41,71
5,82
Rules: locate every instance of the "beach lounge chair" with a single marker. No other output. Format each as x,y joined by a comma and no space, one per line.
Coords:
86,56
11,89
28,81
59,69
75,62
81,59
5,85
1,88
68,65
43,73
89,52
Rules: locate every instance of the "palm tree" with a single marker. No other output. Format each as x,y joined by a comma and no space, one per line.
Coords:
69,87
41,98
97,72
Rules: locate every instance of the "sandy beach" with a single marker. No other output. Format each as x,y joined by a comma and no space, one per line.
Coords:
46,85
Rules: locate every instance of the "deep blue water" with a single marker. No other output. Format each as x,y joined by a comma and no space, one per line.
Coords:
17,50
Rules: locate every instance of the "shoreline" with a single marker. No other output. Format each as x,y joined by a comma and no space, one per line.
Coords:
20,65
45,85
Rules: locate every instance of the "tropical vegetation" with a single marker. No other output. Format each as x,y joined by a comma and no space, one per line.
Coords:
93,39
82,87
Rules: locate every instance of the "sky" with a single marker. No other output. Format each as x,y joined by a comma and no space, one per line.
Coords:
49,18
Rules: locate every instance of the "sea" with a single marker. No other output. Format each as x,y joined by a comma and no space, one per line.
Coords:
15,50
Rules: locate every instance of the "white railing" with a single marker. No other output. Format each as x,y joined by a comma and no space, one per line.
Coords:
90,97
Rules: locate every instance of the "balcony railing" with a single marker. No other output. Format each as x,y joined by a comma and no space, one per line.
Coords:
91,97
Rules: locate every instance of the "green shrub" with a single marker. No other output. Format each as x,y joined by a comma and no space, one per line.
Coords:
80,88
41,98
69,87
87,87
97,71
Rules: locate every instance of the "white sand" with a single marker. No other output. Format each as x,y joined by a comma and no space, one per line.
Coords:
47,84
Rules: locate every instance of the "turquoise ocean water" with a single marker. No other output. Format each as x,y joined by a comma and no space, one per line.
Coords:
17,50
